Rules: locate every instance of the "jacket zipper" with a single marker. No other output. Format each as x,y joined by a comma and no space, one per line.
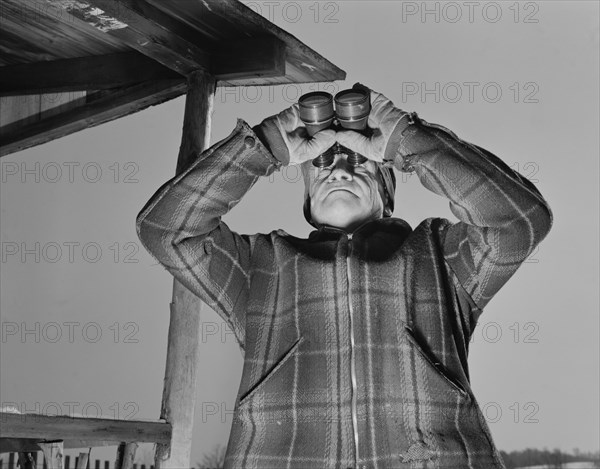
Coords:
352,357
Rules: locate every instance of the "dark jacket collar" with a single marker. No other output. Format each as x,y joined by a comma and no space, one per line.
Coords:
395,226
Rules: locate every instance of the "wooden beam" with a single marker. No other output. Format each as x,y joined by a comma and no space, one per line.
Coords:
179,34
80,428
53,454
258,57
32,31
303,64
98,108
125,455
224,20
84,73
183,340
184,49
143,28
16,445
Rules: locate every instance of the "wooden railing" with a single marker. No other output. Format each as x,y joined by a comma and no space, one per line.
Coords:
27,434
10,461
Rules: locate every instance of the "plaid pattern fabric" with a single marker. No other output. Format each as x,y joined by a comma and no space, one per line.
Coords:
355,347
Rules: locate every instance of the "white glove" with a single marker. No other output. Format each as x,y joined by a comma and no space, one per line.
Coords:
387,121
287,138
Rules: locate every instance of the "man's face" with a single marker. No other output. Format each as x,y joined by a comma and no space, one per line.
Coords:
345,196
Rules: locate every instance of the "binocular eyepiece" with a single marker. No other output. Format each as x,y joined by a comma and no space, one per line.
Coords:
352,108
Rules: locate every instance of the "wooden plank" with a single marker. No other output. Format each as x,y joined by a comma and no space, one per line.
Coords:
81,428
200,16
183,341
176,45
15,445
53,454
180,35
312,66
236,20
15,137
83,73
26,461
34,30
125,455
82,461
55,103
27,109
140,26
258,57
19,108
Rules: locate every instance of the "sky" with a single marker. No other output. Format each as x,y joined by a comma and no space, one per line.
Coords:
85,309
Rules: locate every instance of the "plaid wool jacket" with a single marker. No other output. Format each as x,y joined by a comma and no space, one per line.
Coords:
355,345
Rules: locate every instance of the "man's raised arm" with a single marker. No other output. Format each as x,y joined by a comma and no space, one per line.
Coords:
181,224
502,215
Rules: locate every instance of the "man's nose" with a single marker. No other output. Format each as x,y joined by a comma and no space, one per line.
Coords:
341,170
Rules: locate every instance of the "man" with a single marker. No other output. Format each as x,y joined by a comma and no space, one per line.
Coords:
356,339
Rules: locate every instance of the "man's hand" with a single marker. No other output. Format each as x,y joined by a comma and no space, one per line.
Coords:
287,138
387,121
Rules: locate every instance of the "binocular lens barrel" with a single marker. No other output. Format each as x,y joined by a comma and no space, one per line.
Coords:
316,111
352,108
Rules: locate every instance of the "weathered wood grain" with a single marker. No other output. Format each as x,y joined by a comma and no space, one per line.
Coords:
80,428
15,445
33,30
111,105
97,72
183,341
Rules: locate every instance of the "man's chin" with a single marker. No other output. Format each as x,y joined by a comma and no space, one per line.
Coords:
339,214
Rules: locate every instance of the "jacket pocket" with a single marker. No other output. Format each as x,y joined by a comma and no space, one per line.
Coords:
437,367
260,384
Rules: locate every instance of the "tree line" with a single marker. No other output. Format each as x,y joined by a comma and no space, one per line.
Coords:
515,459
551,458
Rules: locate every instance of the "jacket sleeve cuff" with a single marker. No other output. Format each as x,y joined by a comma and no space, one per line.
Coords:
251,153
270,136
392,149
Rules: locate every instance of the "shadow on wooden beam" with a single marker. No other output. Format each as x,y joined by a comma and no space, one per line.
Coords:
98,108
99,72
249,58
17,445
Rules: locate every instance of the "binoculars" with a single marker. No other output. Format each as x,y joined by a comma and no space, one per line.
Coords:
352,108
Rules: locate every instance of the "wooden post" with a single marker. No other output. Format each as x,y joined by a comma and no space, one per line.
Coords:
53,454
183,343
126,455
26,461
82,461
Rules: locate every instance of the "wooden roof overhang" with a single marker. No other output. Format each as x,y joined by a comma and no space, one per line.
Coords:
66,65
